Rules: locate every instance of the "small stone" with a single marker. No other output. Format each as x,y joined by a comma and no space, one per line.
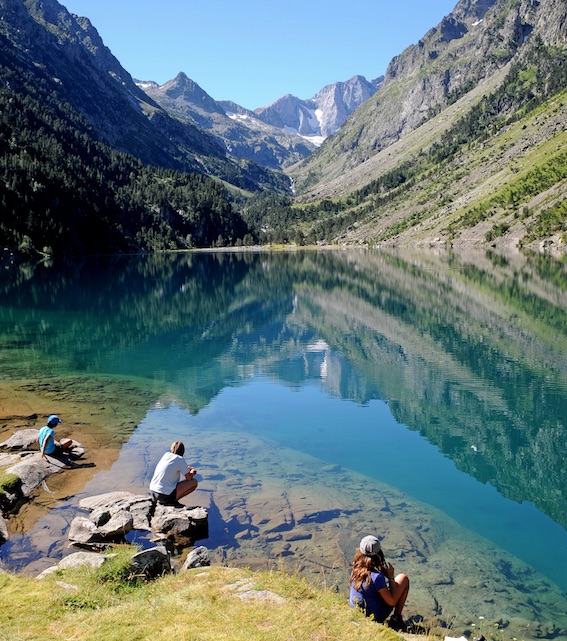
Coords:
197,558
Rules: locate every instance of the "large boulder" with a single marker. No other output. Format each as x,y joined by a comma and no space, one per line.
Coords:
190,523
102,527
76,560
114,524
197,558
114,512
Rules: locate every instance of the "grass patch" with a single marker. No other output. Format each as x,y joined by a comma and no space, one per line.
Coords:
8,482
199,605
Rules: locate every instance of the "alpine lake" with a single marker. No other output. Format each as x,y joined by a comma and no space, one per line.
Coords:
322,396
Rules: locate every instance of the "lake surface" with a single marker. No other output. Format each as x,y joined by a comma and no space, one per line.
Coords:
324,396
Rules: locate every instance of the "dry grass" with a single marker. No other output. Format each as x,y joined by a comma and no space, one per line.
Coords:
213,604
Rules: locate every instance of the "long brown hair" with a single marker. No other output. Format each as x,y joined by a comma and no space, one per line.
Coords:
363,565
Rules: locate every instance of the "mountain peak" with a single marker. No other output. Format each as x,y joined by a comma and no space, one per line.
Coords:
183,89
324,114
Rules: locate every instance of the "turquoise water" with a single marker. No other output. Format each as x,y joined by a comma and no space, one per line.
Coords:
440,376
335,430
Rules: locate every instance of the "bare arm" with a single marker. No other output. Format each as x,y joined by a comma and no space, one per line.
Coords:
392,593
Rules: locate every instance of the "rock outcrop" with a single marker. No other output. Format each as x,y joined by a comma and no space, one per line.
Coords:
115,514
27,469
148,564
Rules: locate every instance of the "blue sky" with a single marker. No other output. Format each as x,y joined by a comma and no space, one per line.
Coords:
254,51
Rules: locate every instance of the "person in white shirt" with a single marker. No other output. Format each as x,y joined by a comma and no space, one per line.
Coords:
173,478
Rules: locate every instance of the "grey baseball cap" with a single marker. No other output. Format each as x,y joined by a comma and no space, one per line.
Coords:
370,545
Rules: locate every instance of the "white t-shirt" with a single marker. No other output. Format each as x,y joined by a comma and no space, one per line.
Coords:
171,469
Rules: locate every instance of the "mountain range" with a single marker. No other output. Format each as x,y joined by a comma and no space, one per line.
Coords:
62,54
462,141
277,135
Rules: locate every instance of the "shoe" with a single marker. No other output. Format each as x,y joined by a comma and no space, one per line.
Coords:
397,623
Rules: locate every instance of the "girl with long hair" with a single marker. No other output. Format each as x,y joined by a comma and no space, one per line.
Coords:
374,586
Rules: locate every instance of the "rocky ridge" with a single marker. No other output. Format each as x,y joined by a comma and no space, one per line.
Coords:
468,48
277,135
51,54
239,131
323,115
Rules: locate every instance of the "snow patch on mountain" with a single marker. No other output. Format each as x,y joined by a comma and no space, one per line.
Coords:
323,115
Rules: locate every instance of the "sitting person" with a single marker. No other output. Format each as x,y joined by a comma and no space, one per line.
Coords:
47,442
373,586
173,478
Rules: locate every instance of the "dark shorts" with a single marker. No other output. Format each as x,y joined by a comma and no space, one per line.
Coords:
165,499
56,451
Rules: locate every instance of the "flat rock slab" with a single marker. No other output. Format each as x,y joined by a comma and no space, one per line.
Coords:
33,469
21,440
139,505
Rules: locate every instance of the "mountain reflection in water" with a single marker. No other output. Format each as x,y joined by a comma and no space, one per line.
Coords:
468,353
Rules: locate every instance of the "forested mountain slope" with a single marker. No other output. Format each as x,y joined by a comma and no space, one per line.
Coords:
89,163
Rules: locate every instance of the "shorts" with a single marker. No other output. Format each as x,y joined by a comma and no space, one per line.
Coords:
56,451
165,499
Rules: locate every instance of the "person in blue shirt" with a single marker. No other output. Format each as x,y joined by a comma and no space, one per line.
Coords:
374,586
46,439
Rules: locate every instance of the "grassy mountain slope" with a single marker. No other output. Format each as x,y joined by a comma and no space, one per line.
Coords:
483,162
204,604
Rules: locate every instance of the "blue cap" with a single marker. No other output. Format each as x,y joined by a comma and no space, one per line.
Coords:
53,419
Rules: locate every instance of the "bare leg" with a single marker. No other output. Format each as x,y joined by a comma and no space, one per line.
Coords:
400,592
185,487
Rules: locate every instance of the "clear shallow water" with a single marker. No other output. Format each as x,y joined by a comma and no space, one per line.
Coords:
337,431
445,378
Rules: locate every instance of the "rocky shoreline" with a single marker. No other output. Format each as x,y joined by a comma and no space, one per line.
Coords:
272,508
111,516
